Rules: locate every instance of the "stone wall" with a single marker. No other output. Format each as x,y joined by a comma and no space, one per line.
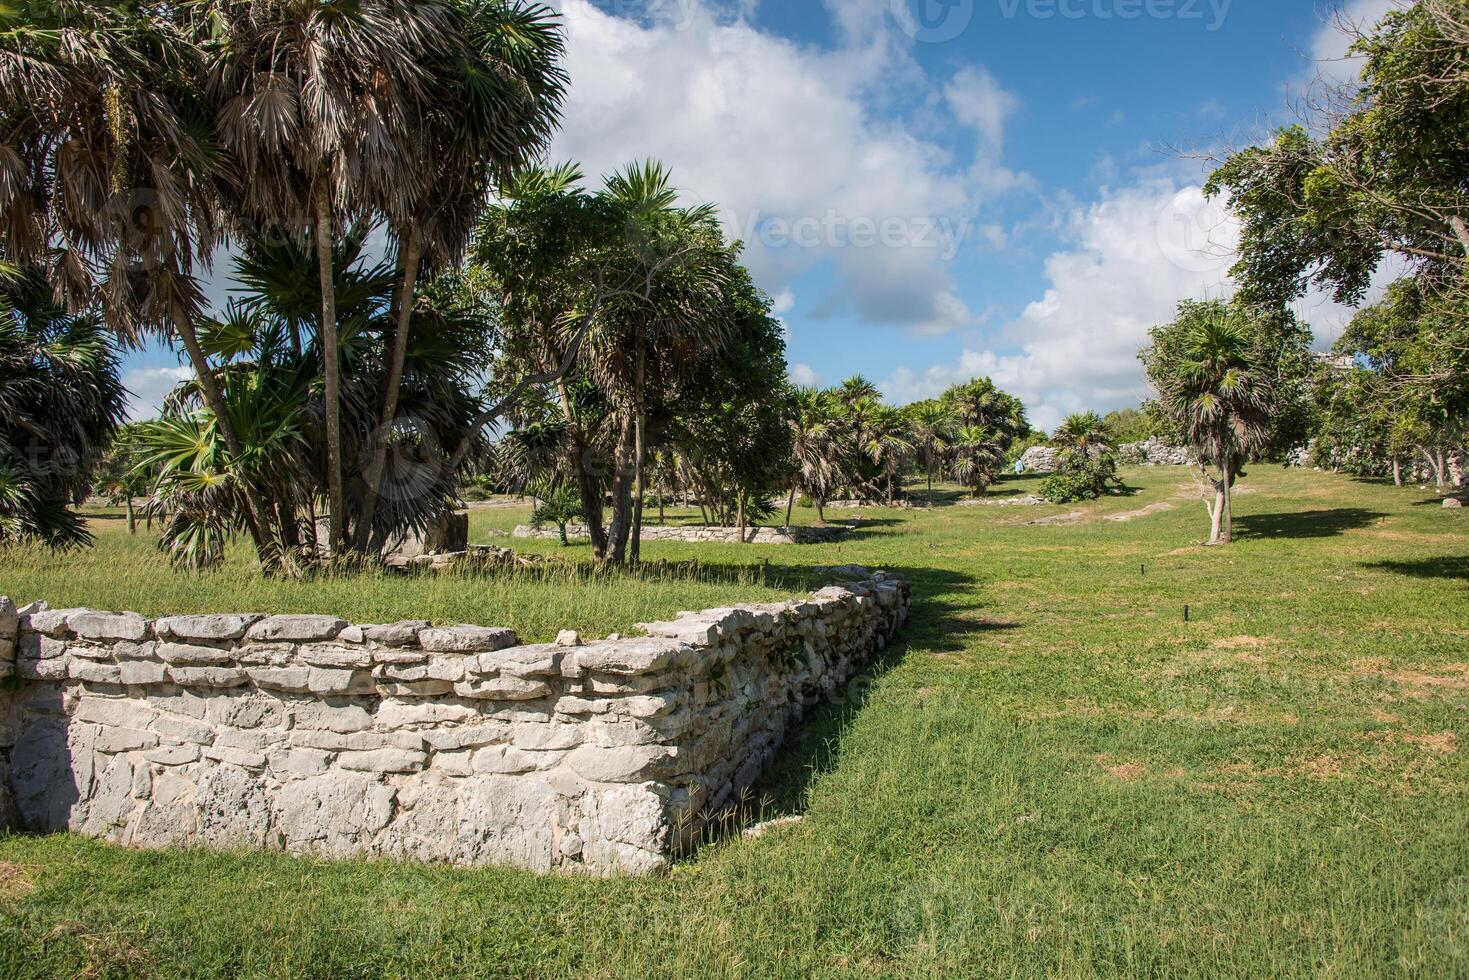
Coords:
695,533
1153,452
452,744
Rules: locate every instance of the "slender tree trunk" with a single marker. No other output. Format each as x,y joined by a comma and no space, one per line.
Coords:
790,505
586,481
255,510
1440,469
331,363
1228,505
890,490
623,480
930,480
740,503
411,254
132,518
1216,516
1397,472
820,511
640,449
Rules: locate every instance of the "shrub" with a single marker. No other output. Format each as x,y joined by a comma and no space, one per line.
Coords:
1081,476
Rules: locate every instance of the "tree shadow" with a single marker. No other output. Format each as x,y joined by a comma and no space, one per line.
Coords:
1453,567
1305,524
812,748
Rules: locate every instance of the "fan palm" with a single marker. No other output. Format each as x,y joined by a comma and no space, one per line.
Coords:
978,457
889,444
60,404
813,424
1083,432
933,425
1205,369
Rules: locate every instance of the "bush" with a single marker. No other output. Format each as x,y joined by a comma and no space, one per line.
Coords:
1081,476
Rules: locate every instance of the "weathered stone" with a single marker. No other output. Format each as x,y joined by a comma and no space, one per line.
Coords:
185,729
113,740
402,634
335,655
414,689
118,712
568,638
509,760
9,619
216,628
173,755
236,757
90,624
297,629
288,763
1453,503
220,677
540,660
321,716
189,655
629,764
383,760
95,673
503,689
293,680
469,737
628,657
328,682
466,639
51,622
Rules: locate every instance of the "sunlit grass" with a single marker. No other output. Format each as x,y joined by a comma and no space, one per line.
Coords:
1057,776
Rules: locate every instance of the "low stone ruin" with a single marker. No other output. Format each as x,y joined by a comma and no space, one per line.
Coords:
695,533
452,744
1152,452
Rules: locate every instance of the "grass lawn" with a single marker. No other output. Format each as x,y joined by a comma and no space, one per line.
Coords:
1055,776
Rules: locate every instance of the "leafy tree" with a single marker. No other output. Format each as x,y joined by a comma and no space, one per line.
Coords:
933,427
978,456
1129,425
119,476
1213,380
61,404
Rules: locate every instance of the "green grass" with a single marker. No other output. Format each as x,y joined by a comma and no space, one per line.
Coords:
1055,776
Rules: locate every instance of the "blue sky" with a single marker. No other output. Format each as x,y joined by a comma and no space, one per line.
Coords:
937,189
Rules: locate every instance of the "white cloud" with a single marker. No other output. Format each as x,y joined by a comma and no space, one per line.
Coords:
148,387
783,302
1340,26
1136,253
786,139
805,375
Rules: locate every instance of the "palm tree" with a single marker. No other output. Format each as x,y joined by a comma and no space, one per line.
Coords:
978,457
117,175
320,110
1204,366
813,423
497,99
933,425
889,444
1084,433
60,405
674,317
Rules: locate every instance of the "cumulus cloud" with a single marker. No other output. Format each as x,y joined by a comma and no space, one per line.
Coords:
1134,254
805,375
786,140
148,387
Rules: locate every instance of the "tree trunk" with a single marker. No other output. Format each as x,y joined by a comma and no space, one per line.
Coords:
640,448
890,490
790,506
930,480
586,481
411,254
132,518
1397,472
1216,516
740,503
622,491
255,510
1228,505
821,512
331,364
1440,469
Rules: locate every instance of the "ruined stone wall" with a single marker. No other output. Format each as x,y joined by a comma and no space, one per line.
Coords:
439,744
696,533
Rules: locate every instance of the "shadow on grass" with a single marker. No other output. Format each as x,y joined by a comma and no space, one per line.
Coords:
1454,567
1305,524
936,620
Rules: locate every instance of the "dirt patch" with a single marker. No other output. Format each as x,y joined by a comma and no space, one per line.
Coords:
15,881
1059,520
1147,511
1453,677
1241,642
1321,767
1438,743
1128,772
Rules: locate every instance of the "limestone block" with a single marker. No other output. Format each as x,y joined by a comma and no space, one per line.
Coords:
402,634
184,729
189,655
216,677
95,673
120,712
335,655
505,819
266,655
630,657
9,619
334,814
234,807
466,639
393,713
287,764
114,740
297,629
213,628
328,682
90,624
414,689
383,760
539,660
293,680
629,764
503,689
323,716
468,737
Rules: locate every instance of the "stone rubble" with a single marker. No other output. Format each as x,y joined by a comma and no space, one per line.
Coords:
701,534
451,744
